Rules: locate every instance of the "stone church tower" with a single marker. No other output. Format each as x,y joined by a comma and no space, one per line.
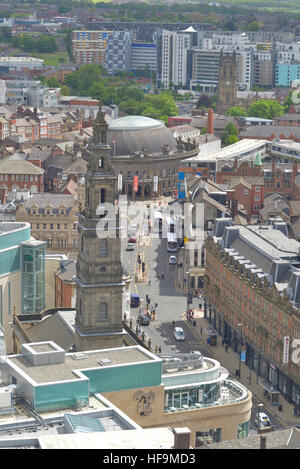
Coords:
227,82
99,283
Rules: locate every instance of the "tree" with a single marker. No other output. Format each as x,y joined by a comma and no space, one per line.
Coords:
254,26
46,44
231,129
203,131
204,101
232,139
237,111
65,90
52,82
266,109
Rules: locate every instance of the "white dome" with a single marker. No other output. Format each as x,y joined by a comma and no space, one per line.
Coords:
135,123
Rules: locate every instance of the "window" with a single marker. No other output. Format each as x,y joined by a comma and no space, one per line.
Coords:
257,188
44,226
103,247
256,198
102,196
207,437
245,191
100,162
103,311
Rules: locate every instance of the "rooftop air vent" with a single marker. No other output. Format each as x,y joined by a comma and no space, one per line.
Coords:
104,361
79,356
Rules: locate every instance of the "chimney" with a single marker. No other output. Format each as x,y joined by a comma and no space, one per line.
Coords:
263,442
210,122
182,438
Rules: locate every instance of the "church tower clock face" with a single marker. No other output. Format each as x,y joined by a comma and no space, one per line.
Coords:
228,83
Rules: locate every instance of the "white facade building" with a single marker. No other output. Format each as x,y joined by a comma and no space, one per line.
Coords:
174,57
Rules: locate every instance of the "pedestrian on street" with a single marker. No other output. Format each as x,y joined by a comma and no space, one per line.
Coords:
162,276
149,343
156,349
149,281
295,411
200,330
159,349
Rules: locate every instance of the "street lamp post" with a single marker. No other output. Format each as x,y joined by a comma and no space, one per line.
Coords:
259,406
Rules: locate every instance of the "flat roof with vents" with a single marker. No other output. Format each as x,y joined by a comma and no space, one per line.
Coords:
46,362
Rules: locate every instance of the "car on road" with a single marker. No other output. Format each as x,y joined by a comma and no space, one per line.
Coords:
179,333
130,246
172,260
143,320
132,239
134,300
262,420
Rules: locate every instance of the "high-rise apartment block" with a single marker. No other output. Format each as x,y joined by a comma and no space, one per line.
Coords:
172,58
89,46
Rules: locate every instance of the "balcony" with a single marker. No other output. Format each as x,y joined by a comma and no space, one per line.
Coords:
225,392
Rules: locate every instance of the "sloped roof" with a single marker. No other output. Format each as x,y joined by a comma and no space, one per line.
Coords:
19,167
52,328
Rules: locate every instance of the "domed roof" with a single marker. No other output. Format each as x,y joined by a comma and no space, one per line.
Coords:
134,133
135,123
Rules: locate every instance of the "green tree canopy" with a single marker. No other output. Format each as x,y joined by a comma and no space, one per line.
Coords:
266,109
237,111
231,129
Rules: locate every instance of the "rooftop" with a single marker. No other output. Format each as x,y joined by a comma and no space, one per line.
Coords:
241,149
135,123
74,362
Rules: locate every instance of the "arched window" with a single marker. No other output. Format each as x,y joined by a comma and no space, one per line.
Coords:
103,247
103,311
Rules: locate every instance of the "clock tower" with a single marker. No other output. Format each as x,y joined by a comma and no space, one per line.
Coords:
99,272
227,82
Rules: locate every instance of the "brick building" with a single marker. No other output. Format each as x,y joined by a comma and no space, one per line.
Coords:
252,297
21,175
65,287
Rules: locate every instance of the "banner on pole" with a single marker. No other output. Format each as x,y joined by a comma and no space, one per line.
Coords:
120,182
286,349
135,183
155,183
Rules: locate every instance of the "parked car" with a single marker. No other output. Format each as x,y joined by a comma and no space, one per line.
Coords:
172,260
132,239
262,420
130,246
179,333
143,320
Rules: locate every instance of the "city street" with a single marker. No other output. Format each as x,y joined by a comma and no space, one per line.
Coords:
172,305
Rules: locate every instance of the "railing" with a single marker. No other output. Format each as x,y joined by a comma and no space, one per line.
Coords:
235,393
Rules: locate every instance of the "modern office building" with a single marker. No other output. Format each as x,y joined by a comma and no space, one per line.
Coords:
203,70
143,55
152,391
252,298
118,51
263,68
22,275
286,73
